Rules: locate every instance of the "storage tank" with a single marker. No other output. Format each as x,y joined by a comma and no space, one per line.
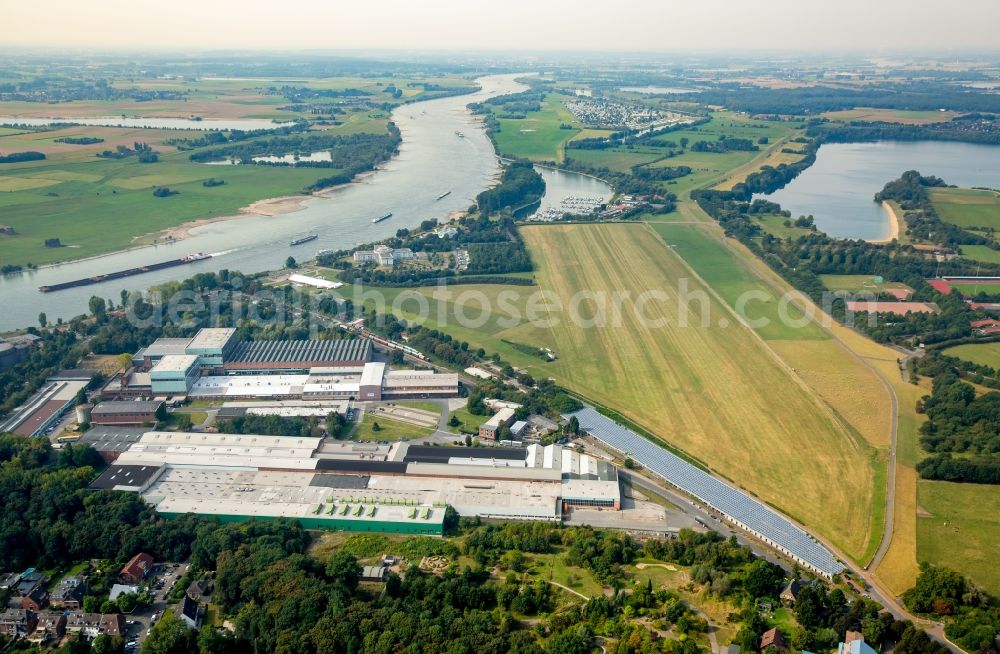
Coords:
83,413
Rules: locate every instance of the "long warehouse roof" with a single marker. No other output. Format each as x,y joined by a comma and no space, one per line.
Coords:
305,350
734,503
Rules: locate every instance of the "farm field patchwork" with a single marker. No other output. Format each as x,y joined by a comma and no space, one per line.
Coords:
668,379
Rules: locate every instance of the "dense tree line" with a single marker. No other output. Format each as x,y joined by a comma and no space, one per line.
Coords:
814,100
221,137
725,144
520,184
271,425
49,518
985,130
18,157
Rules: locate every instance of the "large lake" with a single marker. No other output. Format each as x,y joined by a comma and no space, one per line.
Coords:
138,122
839,189
432,159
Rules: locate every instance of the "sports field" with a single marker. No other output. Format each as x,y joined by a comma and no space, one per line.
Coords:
538,136
967,207
985,354
959,527
715,391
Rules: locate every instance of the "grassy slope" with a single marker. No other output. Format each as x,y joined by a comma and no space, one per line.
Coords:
715,392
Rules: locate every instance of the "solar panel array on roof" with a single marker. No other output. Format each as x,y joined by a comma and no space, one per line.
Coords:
735,504
305,350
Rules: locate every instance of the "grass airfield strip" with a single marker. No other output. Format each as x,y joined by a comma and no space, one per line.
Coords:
714,391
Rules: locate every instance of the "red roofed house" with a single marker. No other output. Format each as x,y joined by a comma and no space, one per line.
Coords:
986,327
137,569
773,638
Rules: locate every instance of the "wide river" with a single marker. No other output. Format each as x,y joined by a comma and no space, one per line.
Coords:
432,159
839,189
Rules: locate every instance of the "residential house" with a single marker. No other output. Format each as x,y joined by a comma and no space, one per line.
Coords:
854,643
69,593
93,625
137,569
51,627
36,600
15,623
201,590
30,580
773,638
191,612
791,591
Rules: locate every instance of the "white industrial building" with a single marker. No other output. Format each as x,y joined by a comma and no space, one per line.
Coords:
357,486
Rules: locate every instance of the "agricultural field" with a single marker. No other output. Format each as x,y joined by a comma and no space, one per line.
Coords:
958,526
759,411
985,354
891,116
538,137
967,207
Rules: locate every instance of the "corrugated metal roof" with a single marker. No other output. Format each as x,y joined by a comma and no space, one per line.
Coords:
331,351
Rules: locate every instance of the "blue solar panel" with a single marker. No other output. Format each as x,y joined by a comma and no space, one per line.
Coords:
733,503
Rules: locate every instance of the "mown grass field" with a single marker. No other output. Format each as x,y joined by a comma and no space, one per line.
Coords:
713,391
981,253
959,527
967,207
985,354
538,136
859,284
775,226
973,289
389,430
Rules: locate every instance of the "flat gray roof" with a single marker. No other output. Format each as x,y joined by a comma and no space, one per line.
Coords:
211,337
127,407
176,363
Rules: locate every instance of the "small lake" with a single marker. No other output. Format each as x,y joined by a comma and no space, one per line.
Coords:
139,122
839,189
656,90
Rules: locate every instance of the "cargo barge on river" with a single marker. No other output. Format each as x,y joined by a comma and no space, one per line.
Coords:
97,279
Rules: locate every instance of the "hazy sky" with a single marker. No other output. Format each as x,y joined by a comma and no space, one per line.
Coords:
632,25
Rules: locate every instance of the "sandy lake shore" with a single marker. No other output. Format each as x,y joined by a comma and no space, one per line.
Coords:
893,225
